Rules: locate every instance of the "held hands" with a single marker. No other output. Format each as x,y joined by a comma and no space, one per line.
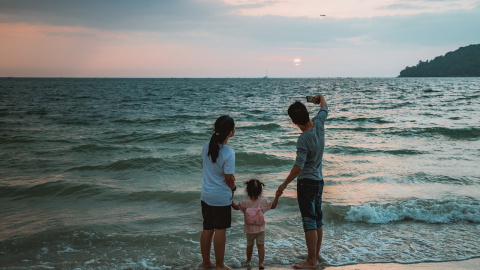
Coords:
235,206
280,190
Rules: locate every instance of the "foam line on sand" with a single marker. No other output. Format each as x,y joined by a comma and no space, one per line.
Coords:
471,264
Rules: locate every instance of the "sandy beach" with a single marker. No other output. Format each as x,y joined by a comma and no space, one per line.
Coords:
472,264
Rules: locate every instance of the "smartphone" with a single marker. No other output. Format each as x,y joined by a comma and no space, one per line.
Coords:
310,99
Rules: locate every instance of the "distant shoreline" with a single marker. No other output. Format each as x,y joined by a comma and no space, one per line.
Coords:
462,63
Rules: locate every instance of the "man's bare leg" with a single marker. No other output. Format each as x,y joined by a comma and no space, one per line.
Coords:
205,247
219,241
319,241
311,239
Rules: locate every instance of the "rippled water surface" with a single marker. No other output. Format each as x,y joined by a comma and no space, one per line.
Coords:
105,173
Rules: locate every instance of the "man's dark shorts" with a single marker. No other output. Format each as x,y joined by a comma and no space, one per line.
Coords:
309,195
216,217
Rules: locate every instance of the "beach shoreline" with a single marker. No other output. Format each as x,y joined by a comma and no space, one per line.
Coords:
470,264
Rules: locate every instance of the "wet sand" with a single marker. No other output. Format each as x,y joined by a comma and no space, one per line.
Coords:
472,264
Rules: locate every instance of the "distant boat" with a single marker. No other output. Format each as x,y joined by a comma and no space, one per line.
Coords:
266,74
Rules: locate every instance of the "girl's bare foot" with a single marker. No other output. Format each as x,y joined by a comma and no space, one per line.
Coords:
224,267
305,265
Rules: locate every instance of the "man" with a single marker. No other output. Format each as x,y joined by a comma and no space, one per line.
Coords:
308,169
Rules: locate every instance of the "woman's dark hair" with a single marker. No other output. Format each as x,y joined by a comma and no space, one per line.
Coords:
254,188
298,113
223,126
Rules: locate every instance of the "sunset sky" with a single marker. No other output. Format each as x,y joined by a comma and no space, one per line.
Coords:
229,38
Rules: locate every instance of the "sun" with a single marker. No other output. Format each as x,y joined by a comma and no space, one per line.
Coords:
297,61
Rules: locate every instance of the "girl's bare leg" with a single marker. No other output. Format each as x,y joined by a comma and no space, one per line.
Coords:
249,253
261,256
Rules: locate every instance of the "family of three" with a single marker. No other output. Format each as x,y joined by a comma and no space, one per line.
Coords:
218,187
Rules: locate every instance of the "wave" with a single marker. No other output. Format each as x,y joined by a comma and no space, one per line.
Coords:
470,133
174,137
94,148
260,159
428,211
374,120
452,133
139,121
359,129
144,163
262,127
171,197
55,189
350,150
422,177
18,140
74,190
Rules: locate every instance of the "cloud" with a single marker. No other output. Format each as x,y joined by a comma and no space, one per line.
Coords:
212,38
124,15
343,9
223,23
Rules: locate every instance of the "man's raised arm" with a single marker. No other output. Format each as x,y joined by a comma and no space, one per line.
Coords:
320,99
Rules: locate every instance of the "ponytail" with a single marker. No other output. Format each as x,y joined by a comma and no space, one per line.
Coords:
223,126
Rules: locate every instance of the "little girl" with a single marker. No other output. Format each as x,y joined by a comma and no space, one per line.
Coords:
253,209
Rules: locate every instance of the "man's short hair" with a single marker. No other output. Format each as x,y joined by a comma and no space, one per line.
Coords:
298,113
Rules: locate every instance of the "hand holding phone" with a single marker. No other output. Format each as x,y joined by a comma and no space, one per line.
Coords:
312,99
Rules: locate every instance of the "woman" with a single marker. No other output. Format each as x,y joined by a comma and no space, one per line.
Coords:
218,163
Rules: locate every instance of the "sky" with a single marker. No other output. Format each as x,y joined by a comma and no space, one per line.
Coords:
229,38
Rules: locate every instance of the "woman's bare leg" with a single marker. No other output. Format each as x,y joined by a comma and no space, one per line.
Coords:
205,247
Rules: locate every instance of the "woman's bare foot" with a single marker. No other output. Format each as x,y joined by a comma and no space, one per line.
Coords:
305,265
207,265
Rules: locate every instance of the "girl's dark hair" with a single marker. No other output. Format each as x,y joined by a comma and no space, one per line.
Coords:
223,126
298,113
254,188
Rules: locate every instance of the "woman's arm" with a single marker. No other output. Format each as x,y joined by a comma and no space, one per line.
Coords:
230,180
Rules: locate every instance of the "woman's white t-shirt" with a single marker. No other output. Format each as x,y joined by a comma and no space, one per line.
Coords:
215,191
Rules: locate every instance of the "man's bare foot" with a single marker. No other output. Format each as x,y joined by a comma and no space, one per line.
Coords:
261,266
224,267
305,265
207,265
320,259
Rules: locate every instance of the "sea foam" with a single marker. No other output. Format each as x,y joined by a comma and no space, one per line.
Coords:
429,211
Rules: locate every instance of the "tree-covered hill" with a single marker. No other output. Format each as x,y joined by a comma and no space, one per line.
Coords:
464,62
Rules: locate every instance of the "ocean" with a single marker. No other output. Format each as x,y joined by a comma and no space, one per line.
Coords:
105,173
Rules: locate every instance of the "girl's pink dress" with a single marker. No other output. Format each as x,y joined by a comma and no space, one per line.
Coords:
265,205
